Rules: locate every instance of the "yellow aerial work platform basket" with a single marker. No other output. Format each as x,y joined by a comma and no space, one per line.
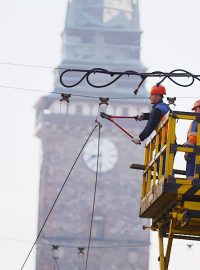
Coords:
171,201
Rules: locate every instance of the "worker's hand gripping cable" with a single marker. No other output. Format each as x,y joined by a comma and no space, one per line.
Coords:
110,118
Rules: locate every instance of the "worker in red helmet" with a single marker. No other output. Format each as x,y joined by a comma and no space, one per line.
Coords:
159,109
191,141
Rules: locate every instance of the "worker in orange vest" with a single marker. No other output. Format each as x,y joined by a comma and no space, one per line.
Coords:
159,109
191,141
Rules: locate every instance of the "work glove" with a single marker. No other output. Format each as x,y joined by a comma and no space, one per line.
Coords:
140,116
136,140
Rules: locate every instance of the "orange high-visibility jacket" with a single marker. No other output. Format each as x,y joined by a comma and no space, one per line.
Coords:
192,133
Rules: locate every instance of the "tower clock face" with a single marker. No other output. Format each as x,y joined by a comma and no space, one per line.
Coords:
107,155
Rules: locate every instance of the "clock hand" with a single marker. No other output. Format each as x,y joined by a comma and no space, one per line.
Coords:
94,156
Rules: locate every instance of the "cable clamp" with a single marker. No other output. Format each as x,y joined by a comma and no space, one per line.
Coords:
55,252
96,121
81,250
171,100
103,100
65,97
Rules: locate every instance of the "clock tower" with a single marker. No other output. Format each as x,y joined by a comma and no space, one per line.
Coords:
105,34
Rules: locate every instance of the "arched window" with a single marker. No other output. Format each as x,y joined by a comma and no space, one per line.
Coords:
98,227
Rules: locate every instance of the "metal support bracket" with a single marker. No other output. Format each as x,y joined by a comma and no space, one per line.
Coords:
197,149
103,100
173,148
198,119
196,182
65,97
171,100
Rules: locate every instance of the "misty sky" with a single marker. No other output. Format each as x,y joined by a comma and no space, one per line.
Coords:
30,33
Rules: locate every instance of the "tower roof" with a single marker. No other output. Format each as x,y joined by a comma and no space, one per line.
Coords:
104,34
103,13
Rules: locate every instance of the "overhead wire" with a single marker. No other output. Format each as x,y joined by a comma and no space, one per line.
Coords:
60,93
30,65
94,198
56,199
133,245
83,96
141,245
56,261
75,247
54,264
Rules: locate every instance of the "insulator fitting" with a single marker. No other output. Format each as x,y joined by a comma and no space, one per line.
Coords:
104,100
55,252
146,227
171,100
81,250
65,97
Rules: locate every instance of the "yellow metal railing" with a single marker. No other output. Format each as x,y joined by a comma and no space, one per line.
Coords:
161,149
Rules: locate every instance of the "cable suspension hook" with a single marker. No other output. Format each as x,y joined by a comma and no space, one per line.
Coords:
171,100
55,252
81,250
65,97
103,100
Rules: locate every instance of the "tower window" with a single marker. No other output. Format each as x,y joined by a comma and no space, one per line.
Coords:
79,109
98,227
125,111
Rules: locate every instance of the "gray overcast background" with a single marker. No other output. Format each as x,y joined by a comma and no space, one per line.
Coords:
30,34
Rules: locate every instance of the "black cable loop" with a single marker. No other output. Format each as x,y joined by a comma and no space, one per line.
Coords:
132,72
143,78
54,203
196,77
111,73
106,72
97,70
174,73
187,74
72,85
183,85
159,74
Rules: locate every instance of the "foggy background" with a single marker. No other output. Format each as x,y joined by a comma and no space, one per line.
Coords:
30,34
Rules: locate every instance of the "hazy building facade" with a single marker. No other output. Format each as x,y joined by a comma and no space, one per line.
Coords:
105,34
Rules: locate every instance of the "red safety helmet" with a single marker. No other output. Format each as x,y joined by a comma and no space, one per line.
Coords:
158,90
196,104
